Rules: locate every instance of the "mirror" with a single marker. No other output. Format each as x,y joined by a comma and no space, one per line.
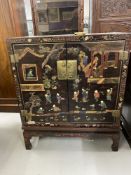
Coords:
57,16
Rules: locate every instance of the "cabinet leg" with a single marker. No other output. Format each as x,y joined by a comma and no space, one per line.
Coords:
115,139
27,138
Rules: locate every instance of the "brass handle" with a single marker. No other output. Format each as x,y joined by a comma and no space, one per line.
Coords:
67,69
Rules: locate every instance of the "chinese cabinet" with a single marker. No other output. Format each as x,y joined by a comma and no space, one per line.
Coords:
70,85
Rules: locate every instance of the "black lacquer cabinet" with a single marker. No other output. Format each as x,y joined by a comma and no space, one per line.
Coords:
70,85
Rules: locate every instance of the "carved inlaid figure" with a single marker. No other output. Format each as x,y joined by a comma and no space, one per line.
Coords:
59,98
48,97
85,60
75,97
96,95
76,83
84,95
47,69
55,108
102,105
108,94
40,110
54,83
47,82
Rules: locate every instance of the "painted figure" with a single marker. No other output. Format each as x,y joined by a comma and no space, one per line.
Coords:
30,73
75,97
84,95
59,98
76,83
102,105
48,97
108,94
96,95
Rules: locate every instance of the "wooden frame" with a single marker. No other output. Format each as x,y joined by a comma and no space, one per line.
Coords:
29,72
36,20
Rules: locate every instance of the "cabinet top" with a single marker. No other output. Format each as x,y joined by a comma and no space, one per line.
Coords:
79,36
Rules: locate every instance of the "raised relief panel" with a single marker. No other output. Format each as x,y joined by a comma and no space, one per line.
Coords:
114,8
121,26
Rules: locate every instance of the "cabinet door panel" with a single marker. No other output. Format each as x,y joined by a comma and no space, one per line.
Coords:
42,92
94,92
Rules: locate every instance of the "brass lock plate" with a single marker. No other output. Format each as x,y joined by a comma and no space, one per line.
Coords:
67,69
71,69
61,70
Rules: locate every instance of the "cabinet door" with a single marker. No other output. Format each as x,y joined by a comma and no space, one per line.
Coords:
93,94
41,69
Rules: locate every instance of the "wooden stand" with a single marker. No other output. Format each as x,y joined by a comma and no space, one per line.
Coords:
28,134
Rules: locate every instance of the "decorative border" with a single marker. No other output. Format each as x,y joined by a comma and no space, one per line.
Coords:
67,38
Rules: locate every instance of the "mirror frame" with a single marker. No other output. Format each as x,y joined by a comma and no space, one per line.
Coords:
80,17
